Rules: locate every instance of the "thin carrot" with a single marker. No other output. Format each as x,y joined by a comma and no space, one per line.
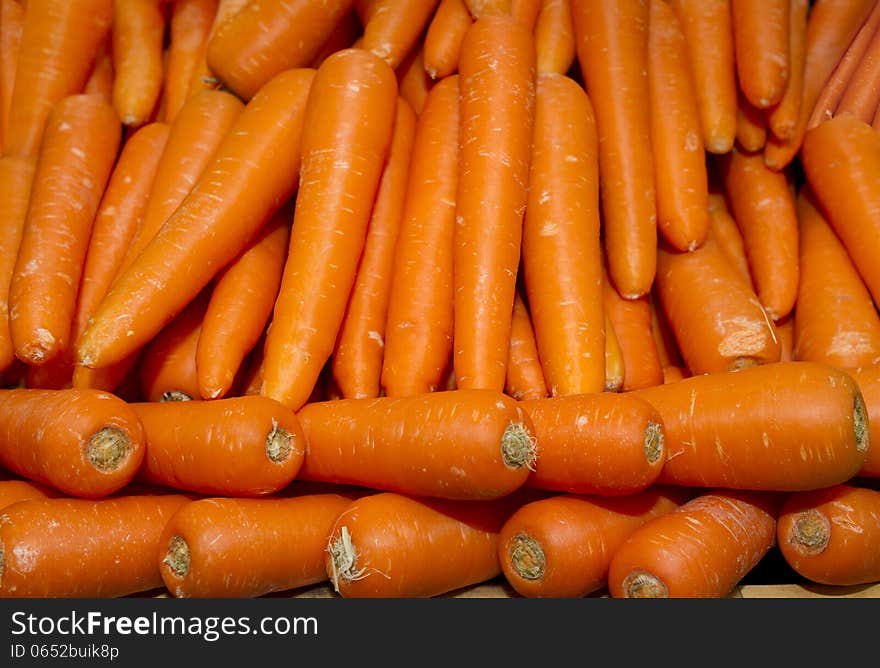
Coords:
81,442
787,426
631,319
11,26
785,334
100,81
357,357
762,47
554,37
612,47
202,76
783,118
614,364
463,444
868,380
862,93
138,33
724,230
77,548
497,106
673,374
240,446
189,28
237,548
751,125
418,331
395,27
561,248
702,549
266,38
344,35
525,374
260,157
76,157
413,81
12,491
664,337
602,443
443,38
561,547
59,42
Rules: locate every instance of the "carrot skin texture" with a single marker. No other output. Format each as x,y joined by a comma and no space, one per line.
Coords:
554,37
561,248
189,28
137,33
12,491
243,548
868,380
11,27
84,443
783,118
443,38
525,375
211,226
761,42
462,444
751,126
395,28
787,426
724,230
78,548
633,328
615,371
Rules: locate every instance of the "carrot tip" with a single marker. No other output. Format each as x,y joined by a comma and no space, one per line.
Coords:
107,448
177,556
175,395
719,145
810,532
741,363
343,560
527,557
279,444
518,447
654,442
642,584
40,350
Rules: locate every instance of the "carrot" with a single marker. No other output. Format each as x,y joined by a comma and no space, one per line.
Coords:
702,549
612,48
785,334
357,357
237,548
762,47
673,374
462,444
259,156
783,118
708,31
418,331
862,92
680,157
561,547
631,319
787,426
831,26
78,548
614,363
664,337
841,159
59,41
100,81
554,37
603,443
76,158
202,77
189,29
239,446
446,30
265,38
561,249
346,32
724,230
395,27
764,209
16,177
347,133
11,25
718,322
81,442
413,81
481,8
868,380
751,125
525,375
138,33
497,106
832,535
12,491
525,12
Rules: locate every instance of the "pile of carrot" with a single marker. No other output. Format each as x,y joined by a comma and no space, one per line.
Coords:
411,295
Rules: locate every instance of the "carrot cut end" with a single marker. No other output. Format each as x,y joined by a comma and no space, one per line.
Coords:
860,423
655,445
175,395
177,556
527,557
344,560
810,532
108,448
642,584
279,444
518,447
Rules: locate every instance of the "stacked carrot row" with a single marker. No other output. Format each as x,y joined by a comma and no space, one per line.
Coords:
409,295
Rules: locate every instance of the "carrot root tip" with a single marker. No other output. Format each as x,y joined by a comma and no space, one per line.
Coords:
344,560
810,532
654,442
175,395
741,363
642,584
518,447
107,448
177,557
279,444
39,350
527,557
860,423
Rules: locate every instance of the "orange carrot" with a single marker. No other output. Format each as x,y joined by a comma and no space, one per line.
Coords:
785,334
240,446
11,25
554,37
12,491
702,549
100,81
612,47
138,33
751,125
664,337
443,38
762,46
631,319
673,374
418,331
202,77
724,230
84,443
462,444
481,8
868,380
344,35
357,357
614,364
525,12
395,27
260,157
787,426
189,29
783,118
497,106
413,81
862,92
525,375
76,157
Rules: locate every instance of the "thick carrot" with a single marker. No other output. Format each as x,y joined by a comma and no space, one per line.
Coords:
189,30
762,48
100,81
12,491
240,307
462,444
787,426
497,84
832,535
11,26
344,35
561,547
676,136
443,38
78,548
16,178
631,319
418,331
554,37
59,42
764,209
612,47
138,33
561,248
253,172
726,234
614,363
841,159
783,118
357,357
76,157
240,446
868,380
702,549
602,443
718,322
395,28
751,125
202,76
413,81
81,442
525,374
708,31
265,38
237,548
